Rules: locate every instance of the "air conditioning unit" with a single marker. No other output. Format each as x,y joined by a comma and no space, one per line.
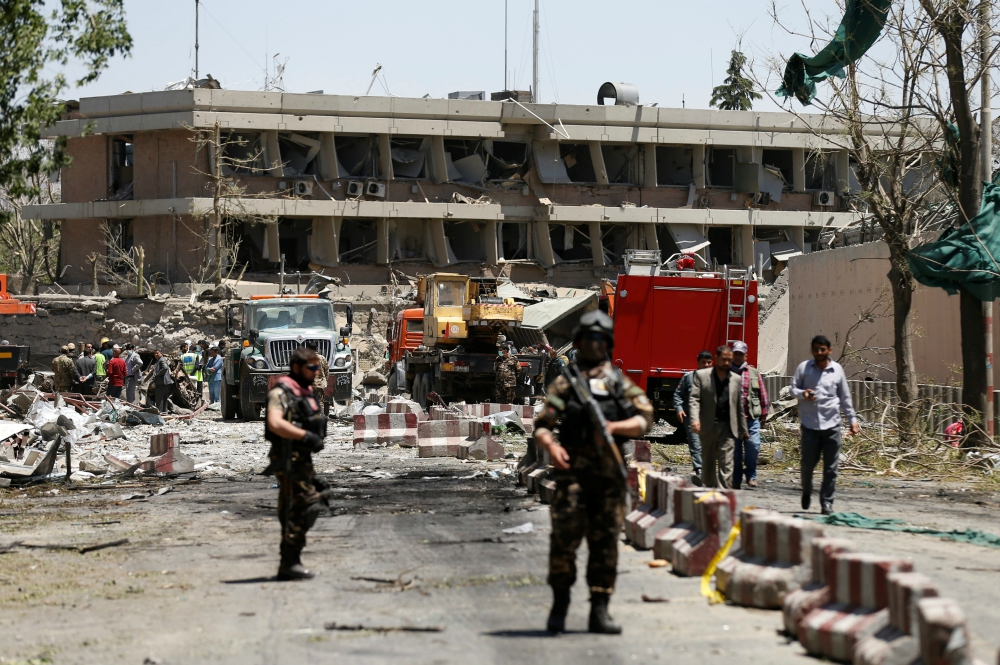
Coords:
355,188
303,187
825,199
375,189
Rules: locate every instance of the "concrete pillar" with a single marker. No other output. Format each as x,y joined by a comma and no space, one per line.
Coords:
272,245
649,165
596,244
272,155
797,234
329,166
798,169
490,239
382,241
437,164
649,231
843,166
436,243
699,166
542,244
325,247
597,157
746,246
385,156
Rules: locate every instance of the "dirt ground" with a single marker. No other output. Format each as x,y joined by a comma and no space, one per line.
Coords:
410,542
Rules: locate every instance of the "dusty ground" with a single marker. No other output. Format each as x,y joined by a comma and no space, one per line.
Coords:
410,542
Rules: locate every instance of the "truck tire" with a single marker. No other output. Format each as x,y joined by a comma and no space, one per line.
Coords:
228,403
249,411
421,386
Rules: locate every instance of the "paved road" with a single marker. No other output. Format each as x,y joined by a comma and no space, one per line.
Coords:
194,583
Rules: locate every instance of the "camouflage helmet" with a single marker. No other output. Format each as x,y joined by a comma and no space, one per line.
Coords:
595,321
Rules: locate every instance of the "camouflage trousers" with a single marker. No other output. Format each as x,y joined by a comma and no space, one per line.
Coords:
506,394
298,500
594,510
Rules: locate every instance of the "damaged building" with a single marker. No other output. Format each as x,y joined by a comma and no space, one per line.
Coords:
356,185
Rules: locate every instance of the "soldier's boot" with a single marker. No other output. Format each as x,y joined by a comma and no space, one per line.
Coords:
291,567
560,606
600,620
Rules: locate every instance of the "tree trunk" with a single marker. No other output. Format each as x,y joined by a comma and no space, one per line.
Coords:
974,379
903,286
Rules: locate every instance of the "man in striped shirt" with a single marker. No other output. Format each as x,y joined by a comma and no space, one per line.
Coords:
756,405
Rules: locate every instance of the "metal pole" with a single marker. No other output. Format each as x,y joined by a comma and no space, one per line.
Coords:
281,277
197,5
505,86
986,131
534,71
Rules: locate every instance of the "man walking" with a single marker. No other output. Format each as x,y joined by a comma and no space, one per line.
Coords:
506,368
116,373
716,415
162,380
820,385
295,427
682,406
755,407
589,500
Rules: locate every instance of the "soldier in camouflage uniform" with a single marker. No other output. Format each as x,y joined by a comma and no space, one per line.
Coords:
506,368
589,500
322,378
65,371
295,427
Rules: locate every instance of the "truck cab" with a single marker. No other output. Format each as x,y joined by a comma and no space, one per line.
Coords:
265,331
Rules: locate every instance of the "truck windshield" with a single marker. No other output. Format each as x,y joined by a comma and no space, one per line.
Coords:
293,315
450,294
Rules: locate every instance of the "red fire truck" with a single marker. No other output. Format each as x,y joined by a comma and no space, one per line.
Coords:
664,316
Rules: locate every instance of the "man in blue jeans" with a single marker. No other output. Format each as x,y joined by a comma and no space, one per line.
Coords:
756,406
821,387
214,370
682,406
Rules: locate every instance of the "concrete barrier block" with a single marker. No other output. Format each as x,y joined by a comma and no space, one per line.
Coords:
161,443
833,631
385,429
888,646
941,629
406,406
862,578
905,591
798,603
713,520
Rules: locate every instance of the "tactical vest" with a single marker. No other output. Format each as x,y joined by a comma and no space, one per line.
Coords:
189,360
753,395
303,412
576,433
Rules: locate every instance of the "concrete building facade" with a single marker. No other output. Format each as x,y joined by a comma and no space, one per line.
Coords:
356,186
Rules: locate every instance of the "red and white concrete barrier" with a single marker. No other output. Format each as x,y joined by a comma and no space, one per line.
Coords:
860,607
898,642
683,503
463,439
713,520
643,524
775,559
817,592
165,455
405,406
385,429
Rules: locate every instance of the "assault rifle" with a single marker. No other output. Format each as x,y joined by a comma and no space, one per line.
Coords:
597,419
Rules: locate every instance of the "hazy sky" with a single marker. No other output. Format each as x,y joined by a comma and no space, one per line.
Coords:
669,48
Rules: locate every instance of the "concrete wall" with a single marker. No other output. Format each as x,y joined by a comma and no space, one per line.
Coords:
828,289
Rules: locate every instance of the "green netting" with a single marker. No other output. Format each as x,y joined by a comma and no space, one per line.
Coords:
861,27
966,255
861,522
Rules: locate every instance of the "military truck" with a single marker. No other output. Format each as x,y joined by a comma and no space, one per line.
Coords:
265,330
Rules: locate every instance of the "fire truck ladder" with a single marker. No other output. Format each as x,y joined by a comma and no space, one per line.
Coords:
737,287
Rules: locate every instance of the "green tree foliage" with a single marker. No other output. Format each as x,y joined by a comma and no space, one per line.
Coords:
37,39
737,92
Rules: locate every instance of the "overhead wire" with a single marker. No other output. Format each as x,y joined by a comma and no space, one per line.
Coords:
252,59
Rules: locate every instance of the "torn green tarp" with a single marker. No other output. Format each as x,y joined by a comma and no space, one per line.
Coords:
966,255
861,522
861,27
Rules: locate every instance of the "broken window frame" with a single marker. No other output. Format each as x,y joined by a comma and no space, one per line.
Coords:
710,167
787,171
827,179
506,171
250,161
458,233
121,168
629,169
407,143
371,163
580,250
523,251
305,147
662,150
361,229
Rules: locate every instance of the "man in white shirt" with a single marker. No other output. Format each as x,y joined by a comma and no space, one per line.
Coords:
820,385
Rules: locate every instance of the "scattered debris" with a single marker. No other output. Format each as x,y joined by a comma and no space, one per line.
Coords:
527,527
654,599
384,629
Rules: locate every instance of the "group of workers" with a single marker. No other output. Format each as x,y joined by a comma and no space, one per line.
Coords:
724,403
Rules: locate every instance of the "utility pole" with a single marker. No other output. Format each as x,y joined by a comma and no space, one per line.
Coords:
505,87
534,74
986,138
197,6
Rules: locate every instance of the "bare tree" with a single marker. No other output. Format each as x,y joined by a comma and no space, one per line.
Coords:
230,155
29,248
893,115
